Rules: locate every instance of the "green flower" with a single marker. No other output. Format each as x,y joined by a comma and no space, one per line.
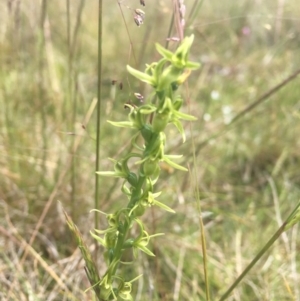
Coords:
121,169
179,59
125,287
141,242
144,77
169,113
151,200
158,76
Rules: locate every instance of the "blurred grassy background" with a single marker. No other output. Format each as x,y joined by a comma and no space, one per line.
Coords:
248,177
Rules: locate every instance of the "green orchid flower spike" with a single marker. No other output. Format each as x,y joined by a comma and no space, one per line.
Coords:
140,169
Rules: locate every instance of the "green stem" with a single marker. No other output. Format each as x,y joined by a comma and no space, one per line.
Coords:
68,100
41,86
136,194
202,229
194,12
97,180
135,197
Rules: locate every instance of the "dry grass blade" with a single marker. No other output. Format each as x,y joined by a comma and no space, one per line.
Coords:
90,269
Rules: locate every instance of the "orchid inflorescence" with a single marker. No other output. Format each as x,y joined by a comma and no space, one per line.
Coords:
149,120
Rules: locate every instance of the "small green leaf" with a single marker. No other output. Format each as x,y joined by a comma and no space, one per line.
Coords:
180,128
144,77
145,250
122,124
99,239
147,109
167,54
173,164
163,206
184,116
192,65
108,174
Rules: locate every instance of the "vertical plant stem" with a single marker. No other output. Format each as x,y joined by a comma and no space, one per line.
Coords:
194,12
135,198
170,30
278,19
72,99
180,29
97,180
69,98
41,64
69,88
77,27
202,231
197,195
128,34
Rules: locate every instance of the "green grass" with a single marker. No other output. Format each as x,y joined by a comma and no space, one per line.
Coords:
245,175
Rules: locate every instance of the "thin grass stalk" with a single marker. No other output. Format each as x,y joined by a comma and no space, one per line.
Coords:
129,37
203,246
41,67
170,30
278,19
68,30
13,34
292,219
201,224
69,99
180,27
77,28
98,119
143,49
74,162
7,126
69,77
194,12
90,268
294,256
